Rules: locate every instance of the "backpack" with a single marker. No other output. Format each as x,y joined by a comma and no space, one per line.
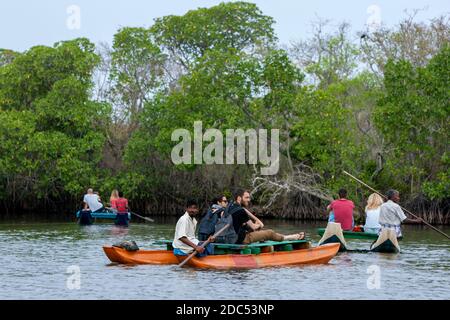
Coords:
127,245
208,222
229,235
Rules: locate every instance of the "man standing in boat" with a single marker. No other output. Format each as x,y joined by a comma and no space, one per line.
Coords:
392,215
185,242
120,205
249,228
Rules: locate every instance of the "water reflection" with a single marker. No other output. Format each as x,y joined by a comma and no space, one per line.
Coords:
35,261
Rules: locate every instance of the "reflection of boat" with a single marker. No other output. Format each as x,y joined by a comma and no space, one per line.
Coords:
295,254
88,218
386,242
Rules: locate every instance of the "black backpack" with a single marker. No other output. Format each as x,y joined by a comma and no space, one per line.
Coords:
208,222
229,235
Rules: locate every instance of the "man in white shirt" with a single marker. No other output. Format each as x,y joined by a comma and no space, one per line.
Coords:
92,202
185,242
392,215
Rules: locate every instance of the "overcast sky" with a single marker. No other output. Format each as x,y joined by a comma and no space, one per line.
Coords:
25,23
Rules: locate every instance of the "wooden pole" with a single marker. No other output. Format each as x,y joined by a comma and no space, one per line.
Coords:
147,219
203,245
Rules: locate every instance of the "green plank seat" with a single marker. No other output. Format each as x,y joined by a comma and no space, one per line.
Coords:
257,244
167,243
253,248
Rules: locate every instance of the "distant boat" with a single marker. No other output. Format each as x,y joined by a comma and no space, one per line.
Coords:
352,235
386,242
88,218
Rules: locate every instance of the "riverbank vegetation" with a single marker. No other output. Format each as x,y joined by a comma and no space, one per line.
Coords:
374,103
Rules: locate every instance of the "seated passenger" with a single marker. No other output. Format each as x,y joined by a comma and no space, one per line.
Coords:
248,228
373,213
208,222
92,202
343,211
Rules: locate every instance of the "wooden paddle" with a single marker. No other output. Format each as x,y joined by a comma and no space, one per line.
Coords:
144,218
426,223
203,245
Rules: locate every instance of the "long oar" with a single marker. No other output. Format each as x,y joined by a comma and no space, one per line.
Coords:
144,218
426,223
203,245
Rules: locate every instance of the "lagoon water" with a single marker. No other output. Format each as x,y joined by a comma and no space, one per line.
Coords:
38,259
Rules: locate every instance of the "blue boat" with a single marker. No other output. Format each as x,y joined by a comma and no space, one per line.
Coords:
88,218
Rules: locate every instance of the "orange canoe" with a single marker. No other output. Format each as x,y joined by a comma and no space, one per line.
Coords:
123,256
317,255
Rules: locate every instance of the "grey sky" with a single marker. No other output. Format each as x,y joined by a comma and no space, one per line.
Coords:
25,23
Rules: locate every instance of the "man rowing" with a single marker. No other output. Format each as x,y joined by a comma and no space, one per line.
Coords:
392,215
185,242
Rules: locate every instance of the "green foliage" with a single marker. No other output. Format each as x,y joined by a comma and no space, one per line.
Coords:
218,65
321,137
137,68
238,25
7,56
32,75
413,118
50,138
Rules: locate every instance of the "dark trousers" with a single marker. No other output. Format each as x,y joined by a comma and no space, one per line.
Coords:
122,219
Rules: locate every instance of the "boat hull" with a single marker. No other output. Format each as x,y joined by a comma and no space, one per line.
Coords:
318,255
335,239
386,247
353,235
386,243
89,218
157,257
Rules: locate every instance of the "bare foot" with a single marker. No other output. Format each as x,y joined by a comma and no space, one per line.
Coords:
295,237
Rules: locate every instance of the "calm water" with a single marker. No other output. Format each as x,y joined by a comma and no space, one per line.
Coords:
35,258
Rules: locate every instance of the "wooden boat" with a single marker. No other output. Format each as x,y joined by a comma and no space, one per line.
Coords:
386,242
88,218
269,256
317,255
158,257
352,235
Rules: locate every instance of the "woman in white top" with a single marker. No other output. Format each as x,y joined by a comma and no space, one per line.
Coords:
373,213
